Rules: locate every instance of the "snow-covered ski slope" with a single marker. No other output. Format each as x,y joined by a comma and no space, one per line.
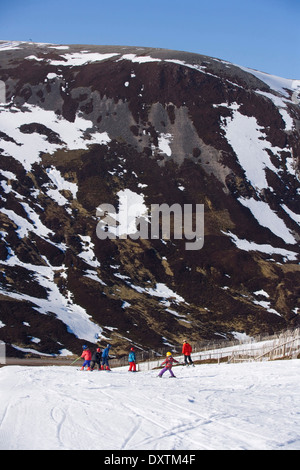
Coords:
252,406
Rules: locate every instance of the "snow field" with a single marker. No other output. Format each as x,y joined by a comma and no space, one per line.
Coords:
207,407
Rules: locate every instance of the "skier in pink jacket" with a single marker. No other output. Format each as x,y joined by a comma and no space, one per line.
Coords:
168,362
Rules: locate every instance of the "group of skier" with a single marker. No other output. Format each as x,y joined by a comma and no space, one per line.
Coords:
100,359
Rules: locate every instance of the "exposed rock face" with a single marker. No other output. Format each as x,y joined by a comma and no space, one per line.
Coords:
83,126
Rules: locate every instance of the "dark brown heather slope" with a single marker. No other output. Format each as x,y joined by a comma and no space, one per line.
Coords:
82,123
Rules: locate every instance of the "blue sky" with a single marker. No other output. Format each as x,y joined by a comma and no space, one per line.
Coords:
260,34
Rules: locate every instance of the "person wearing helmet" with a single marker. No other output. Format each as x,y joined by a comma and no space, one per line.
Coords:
132,361
186,351
168,363
105,357
87,356
96,359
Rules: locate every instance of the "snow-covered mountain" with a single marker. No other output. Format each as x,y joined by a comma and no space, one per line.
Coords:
85,126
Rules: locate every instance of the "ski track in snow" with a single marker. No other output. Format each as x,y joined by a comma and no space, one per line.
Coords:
208,407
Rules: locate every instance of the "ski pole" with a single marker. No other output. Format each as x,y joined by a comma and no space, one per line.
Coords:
75,361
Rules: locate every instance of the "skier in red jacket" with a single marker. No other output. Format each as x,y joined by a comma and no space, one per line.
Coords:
87,356
186,351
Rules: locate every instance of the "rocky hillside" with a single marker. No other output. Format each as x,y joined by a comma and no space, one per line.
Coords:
84,126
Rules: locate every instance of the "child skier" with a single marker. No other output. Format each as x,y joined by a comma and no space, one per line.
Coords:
96,359
168,362
132,361
87,356
105,357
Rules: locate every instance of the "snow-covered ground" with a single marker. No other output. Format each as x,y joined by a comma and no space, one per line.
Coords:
228,406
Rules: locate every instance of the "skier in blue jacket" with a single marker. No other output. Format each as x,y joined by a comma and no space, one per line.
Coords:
105,357
132,361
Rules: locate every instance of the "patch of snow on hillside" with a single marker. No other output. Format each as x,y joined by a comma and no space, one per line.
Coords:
249,143
60,184
123,221
9,45
199,68
293,215
94,276
62,48
139,59
281,104
164,141
261,292
131,207
23,225
76,59
74,316
88,253
268,218
266,305
160,290
26,148
279,84
246,245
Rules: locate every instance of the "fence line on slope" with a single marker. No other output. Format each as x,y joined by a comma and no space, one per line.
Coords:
268,347
285,344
